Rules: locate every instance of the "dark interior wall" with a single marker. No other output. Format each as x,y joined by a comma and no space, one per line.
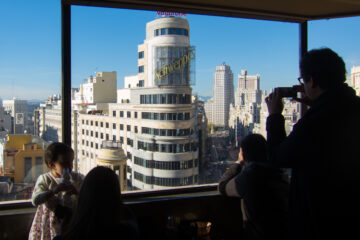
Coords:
152,215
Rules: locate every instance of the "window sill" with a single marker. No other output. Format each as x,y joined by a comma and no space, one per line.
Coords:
131,197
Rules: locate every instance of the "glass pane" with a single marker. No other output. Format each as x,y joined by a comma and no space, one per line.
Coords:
200,122
335,30
29,93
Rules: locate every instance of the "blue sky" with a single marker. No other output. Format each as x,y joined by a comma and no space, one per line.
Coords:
106,39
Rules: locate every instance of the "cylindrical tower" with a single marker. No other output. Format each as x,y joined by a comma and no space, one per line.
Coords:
165,151
111,155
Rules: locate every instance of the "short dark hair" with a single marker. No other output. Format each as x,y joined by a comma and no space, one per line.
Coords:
254,148
56,149
325,67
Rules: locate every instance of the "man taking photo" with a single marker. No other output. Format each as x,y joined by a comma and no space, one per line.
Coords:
323,150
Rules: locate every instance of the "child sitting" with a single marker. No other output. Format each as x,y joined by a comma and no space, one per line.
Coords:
55,192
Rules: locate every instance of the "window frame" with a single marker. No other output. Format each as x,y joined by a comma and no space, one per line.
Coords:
66,88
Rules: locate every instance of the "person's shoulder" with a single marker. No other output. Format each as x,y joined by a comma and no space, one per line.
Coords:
44,178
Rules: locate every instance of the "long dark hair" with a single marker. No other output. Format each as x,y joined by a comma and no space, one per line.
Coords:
99,207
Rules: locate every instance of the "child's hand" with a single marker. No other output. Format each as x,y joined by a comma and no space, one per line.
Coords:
71,190
63,187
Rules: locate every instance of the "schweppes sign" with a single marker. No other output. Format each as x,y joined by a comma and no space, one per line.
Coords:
175,65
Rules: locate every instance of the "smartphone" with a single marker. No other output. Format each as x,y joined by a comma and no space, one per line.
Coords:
287,92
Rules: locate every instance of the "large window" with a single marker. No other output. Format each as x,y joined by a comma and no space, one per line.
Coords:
30,104
184,127
202,123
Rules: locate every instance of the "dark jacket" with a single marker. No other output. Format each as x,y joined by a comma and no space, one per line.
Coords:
323,151
264,191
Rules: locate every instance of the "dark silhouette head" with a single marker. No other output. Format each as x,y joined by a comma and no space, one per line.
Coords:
99,207
254,148
325,67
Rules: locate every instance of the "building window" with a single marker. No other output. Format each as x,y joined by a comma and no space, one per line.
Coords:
96,146
114,113
156,32
83,131
135,114
141,83
114,138
27,168
87,122
96,123
128,114
121,113
128,127
39,166
91,133
135,129
91,123
141,69
121,140
163,31
141,54
101,135
101,124
96,134
107,125
107,136
172,31
114,125
163,98
87,132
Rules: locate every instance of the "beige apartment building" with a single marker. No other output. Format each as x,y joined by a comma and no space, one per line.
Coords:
154,118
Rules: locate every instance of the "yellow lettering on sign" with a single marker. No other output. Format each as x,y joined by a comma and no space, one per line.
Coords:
177,64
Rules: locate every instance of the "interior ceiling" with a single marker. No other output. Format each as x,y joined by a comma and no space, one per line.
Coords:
282,10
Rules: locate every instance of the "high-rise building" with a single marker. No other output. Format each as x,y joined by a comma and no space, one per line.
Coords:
248,90
154,119
18,110
217,108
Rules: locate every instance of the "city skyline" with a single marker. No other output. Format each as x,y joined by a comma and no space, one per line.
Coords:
30,67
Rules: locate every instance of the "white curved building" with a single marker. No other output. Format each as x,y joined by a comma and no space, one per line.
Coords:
154,118
165,151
